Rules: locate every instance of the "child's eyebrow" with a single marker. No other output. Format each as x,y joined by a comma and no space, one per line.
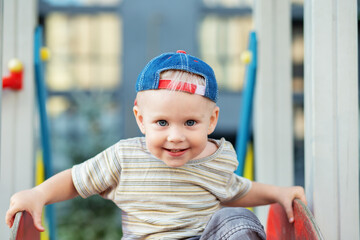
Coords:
196,117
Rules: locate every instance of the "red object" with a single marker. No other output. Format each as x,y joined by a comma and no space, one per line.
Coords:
23,228
181,51
304,226
186,87
13,81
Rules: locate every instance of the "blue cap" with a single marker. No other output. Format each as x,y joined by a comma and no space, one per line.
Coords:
149,77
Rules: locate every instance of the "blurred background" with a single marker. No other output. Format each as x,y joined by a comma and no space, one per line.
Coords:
98,47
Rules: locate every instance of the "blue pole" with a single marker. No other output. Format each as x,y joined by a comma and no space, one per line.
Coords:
44,125
244,126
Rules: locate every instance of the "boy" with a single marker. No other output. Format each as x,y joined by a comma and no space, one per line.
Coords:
172,183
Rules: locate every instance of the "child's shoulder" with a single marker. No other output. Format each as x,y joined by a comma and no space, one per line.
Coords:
132,143
224,156
222,147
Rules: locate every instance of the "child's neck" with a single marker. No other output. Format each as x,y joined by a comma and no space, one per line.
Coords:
210,149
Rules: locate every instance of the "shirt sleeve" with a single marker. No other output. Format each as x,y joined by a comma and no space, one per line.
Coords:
231,186
237,187
98,175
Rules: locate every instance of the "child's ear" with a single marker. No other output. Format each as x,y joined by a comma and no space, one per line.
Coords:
139,119
213,120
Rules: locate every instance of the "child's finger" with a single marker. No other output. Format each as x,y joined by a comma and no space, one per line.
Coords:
9,217
9,221
289,213
37,221
301,195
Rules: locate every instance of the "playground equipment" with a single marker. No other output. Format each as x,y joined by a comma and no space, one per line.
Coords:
243,131
23,228
23,225
304,226
44,161
278,226
14,80
323,36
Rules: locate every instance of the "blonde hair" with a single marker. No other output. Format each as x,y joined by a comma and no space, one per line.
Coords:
180,77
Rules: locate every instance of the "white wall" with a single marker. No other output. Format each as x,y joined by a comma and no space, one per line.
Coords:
331,116
17,110
273,125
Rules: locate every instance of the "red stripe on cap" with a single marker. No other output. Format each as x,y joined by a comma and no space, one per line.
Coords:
186,87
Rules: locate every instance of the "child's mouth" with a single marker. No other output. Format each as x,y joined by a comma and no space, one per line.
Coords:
176,152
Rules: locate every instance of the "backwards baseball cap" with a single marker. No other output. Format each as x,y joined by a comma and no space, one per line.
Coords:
149,78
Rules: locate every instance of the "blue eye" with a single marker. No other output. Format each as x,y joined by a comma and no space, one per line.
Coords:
190,123
162,123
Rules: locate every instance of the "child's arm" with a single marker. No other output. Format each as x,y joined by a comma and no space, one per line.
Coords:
56,189
263,194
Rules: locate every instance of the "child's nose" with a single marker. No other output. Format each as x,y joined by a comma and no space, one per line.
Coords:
175,135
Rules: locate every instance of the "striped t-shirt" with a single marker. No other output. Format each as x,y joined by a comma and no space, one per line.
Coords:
157,201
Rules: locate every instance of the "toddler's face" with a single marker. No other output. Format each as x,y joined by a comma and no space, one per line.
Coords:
176,124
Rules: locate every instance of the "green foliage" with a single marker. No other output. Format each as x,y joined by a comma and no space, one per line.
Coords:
87,132
91,219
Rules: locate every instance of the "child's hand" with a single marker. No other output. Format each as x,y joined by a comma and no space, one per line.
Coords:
263,194
287,195
30,201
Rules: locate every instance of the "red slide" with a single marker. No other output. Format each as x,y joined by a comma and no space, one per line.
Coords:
304,226
23,228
